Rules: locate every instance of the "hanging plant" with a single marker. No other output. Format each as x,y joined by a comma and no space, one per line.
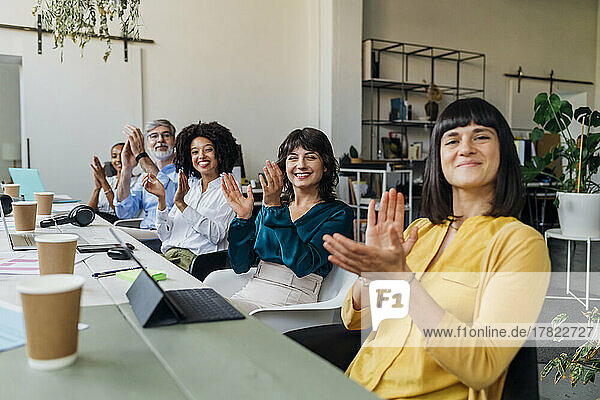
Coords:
78,20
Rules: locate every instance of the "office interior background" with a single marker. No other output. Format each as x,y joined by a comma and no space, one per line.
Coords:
265,67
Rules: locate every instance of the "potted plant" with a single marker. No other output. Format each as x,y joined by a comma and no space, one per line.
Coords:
578,196
585,363
78,20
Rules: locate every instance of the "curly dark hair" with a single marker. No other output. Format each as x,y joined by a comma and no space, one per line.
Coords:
226,149
310,139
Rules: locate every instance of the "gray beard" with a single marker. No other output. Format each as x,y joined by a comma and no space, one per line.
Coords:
163,155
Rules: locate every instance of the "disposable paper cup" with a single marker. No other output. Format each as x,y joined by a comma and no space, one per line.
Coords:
44,200
56,253
12,189
51,311
24,212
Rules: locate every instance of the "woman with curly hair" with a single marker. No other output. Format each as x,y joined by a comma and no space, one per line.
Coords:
286,236
199,221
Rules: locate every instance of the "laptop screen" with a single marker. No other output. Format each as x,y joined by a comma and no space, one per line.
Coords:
29,179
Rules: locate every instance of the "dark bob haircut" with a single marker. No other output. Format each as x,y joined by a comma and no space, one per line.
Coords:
226,150
310,139
437,192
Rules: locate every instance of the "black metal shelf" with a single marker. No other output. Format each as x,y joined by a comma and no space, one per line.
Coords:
375,84
405,122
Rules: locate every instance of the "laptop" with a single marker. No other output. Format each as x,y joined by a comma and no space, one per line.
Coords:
31,182
20,241
154,306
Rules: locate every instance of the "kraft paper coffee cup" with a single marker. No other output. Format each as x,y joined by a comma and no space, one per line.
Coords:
24,212
44,200
12,189
51,311
56,253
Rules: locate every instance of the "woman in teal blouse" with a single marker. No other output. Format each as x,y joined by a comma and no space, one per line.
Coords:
286,237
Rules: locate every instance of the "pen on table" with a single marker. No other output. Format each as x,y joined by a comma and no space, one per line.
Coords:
112,272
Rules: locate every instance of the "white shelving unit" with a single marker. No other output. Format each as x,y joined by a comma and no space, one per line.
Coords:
363,203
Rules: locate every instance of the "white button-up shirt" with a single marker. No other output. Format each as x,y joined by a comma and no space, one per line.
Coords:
203,225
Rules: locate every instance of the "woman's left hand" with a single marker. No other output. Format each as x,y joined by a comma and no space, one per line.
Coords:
385,250
182,189
273,186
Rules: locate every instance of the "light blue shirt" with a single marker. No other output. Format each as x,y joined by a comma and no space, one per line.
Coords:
139,199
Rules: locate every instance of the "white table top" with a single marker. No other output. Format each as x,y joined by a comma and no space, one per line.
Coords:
118,359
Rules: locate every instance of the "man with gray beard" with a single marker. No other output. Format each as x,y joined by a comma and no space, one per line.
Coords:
160,146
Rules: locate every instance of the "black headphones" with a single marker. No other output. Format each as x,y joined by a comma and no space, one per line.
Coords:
6,201
81,215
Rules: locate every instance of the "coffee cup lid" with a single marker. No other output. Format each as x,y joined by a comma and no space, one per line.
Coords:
56,238
50,284
44,193
24,203
11,184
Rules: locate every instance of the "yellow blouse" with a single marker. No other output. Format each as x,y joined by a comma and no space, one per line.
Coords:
398,362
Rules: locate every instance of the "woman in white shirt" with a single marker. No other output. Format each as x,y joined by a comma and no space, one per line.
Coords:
199,221
105,187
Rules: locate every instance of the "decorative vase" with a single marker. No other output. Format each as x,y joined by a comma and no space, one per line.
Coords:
579,214
431,110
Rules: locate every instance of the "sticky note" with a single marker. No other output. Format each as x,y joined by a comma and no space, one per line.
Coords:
132,275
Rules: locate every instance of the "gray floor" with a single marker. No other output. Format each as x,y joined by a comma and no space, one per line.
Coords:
558,256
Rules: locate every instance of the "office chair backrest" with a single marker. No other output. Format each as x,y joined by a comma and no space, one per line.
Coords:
336,281
204,264
109,169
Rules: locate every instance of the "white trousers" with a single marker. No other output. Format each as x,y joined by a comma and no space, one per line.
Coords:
276,285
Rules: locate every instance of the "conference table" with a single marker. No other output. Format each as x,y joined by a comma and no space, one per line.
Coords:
119,359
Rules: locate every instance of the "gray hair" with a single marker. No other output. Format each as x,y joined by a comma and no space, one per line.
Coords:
159,122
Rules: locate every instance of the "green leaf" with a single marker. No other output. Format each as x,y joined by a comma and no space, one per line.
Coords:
557,377
536,134
547,368
576,371
595,120
555,102
563,364
561,117
582,115
589,376
559,319
540,99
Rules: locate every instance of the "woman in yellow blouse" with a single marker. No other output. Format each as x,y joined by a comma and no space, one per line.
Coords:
469,264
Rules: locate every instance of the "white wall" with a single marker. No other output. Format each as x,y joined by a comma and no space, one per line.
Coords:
252,65
539,35
347,74
10,124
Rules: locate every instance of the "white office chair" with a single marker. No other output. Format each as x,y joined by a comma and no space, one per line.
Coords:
285,318
132,227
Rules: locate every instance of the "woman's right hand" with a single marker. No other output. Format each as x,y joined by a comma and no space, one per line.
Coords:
153,185
242,206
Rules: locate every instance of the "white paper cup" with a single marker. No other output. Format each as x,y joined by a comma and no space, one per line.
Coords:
12,189
24,212
56,253
44,200
51,305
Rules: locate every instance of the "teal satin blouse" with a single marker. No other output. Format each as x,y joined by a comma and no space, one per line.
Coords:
273,237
